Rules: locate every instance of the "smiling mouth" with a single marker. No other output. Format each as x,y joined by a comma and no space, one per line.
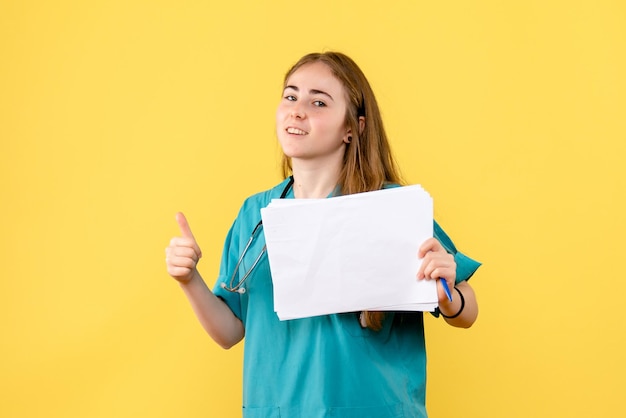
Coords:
296,131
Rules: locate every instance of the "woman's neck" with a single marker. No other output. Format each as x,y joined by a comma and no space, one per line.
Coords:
313,182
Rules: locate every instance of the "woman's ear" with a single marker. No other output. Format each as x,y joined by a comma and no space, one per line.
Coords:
348,138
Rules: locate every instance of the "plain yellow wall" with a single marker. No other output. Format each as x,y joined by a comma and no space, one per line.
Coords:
116,114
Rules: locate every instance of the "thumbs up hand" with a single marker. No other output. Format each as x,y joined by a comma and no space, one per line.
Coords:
183,253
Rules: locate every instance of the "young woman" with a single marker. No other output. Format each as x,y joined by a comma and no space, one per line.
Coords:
365,364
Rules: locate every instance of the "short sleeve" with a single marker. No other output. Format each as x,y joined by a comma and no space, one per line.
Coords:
465,266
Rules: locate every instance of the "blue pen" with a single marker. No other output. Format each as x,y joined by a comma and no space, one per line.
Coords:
446,289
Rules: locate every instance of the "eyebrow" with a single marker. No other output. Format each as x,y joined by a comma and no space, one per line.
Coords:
312,91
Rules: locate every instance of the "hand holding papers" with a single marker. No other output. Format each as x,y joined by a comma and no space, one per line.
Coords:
349,253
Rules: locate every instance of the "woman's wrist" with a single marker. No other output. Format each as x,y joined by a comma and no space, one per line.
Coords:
450,307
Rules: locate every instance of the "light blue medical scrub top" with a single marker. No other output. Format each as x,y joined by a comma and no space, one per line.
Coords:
324,366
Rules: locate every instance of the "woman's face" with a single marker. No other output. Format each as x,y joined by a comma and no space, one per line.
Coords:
310,120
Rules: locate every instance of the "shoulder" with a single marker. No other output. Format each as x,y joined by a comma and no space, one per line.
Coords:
260,200
250,210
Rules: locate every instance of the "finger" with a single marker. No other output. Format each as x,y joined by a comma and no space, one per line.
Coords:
431,244
186,262
185,230
436,265
429,262
445,273
426,260
420,271
436,269
186,252
182,242
178,272
182,257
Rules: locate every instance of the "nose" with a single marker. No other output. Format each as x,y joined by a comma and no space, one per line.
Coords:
297,112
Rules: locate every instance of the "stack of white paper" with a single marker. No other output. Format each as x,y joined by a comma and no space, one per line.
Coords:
349,253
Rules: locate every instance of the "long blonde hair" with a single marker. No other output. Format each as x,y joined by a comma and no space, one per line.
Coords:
368,162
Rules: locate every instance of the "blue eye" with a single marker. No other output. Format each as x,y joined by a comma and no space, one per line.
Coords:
290,98
319,103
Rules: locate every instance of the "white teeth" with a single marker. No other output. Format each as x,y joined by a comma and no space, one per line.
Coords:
296,131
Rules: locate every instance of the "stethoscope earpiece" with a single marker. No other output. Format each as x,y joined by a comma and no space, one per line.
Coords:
240,290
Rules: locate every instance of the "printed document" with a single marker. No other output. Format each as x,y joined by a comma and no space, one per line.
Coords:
349,253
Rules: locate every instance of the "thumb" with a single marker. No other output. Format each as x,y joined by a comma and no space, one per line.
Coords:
185,230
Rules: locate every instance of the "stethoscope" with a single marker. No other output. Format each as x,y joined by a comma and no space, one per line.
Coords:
238,288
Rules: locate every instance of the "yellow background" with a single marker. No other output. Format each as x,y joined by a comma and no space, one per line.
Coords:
116,114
